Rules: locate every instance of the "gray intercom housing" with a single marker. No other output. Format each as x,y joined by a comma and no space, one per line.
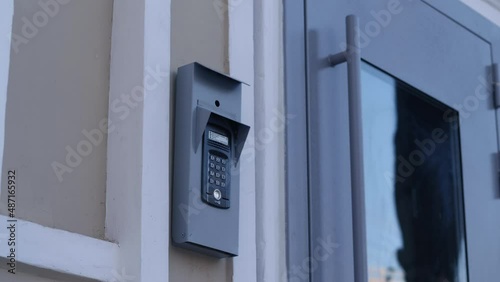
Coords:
209,139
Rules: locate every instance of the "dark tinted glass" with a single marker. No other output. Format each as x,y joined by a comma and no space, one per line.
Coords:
414,205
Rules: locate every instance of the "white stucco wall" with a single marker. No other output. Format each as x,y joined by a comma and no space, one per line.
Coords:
137,194
271,120
58,87
242,38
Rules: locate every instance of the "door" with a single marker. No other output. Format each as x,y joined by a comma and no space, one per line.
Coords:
429,145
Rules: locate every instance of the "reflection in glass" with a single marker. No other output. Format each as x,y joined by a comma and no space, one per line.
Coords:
414,206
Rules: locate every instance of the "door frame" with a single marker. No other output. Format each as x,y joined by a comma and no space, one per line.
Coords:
300,254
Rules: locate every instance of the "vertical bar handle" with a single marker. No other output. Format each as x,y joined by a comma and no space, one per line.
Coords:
352,56
496,84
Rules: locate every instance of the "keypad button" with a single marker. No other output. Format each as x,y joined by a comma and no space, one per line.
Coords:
224,161
212,157
223,176
217,175
211,180
212,165
224,191
217,167
223,168
223,184
217,182
212,173
217,159
217,194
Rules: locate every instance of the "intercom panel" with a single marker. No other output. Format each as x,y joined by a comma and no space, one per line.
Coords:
216,186
209,139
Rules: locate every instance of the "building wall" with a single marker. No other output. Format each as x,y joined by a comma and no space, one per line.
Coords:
67,63
243,39
22,277
199,33
58,88
490,9
6,13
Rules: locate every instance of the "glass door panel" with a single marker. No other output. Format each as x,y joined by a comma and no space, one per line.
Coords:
413,184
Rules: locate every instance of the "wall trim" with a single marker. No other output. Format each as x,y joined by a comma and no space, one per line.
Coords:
58,254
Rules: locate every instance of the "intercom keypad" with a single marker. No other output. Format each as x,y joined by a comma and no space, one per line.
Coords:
217,153
217,194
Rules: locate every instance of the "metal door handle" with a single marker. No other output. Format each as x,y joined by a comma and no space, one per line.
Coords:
352,56
496,84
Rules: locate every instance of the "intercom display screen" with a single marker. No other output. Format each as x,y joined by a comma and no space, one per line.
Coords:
214,136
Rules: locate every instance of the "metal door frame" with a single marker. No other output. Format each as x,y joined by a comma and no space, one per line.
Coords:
299,253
